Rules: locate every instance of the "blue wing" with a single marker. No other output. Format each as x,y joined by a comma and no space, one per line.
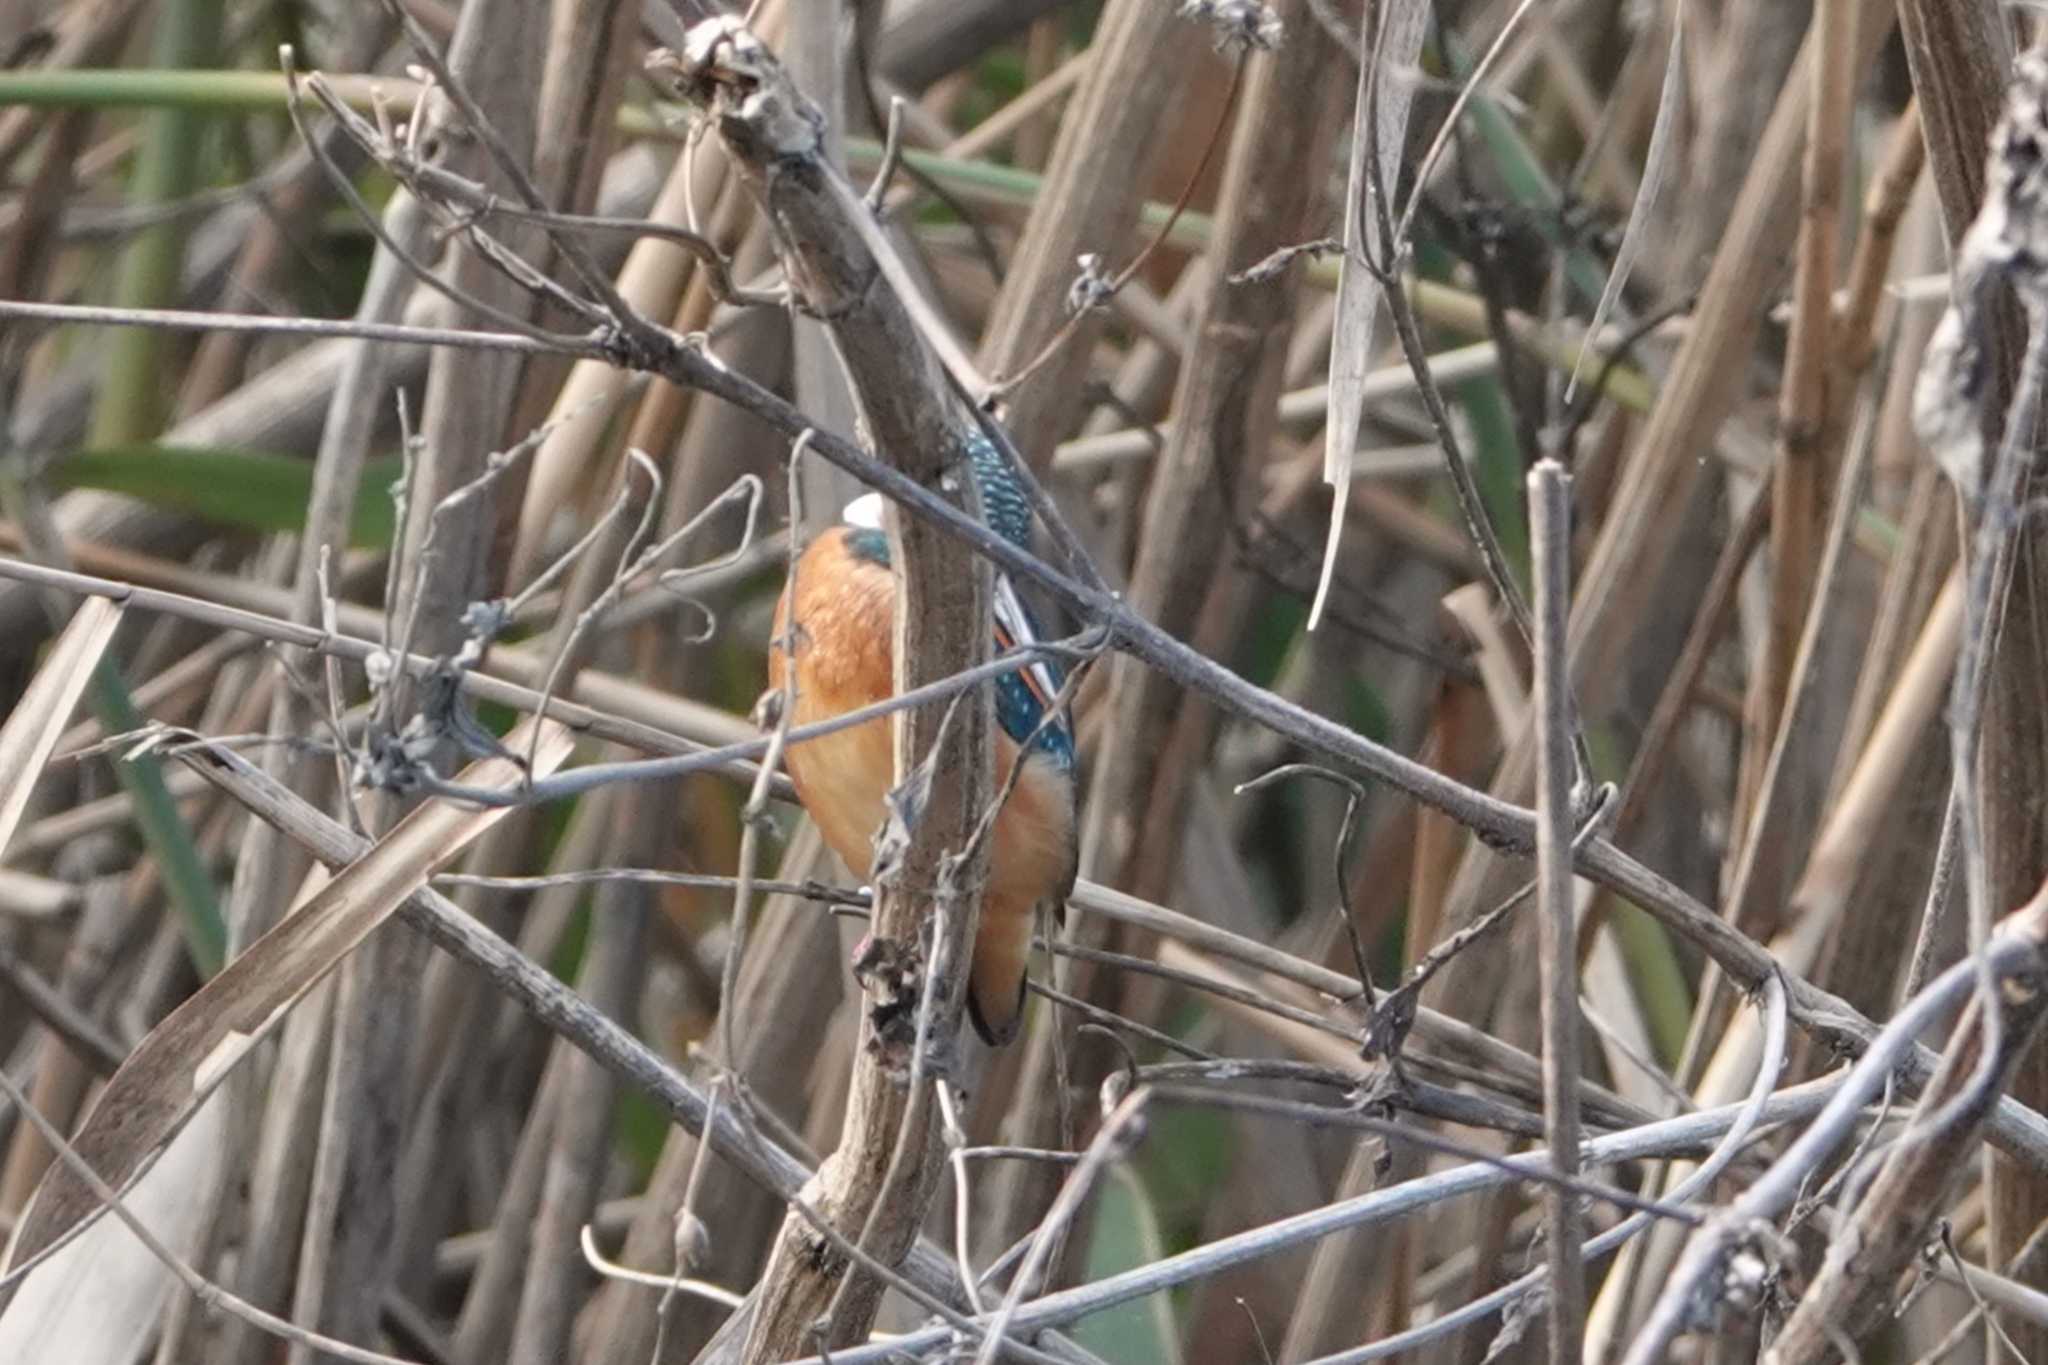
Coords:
1003,503
1025,698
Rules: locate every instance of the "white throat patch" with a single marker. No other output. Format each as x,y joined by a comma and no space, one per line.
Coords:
864,511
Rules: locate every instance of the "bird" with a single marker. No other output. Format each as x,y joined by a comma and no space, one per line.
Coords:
841,655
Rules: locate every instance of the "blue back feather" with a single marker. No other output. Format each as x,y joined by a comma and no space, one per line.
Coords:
1019,706
1002,501
1021,697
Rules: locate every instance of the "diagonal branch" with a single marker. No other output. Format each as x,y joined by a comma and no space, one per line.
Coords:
879,1182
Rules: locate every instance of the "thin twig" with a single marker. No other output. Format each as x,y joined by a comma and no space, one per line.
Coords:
1109,1144
1702,1178
1557,772
678,1283
579,780
1668,1137
1341,858
1090,292
295,106
593,277
1452,117
892,153
1707,1253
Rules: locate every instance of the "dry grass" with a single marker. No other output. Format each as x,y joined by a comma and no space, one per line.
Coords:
403,445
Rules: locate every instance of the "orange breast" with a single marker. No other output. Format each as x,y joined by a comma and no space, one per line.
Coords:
844,614
843,662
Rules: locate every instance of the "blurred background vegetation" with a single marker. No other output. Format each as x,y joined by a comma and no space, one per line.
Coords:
1760,646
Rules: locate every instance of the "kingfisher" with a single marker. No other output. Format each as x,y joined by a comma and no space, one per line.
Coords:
845,614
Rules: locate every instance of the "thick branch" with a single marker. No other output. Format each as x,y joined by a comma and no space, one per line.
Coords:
775,138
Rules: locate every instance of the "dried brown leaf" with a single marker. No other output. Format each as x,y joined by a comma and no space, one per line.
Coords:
183,1057
37,721
1358,290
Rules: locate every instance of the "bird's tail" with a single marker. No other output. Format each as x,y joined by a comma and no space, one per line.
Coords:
995,985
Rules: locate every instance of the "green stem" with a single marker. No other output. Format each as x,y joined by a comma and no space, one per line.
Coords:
164,830
131,401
